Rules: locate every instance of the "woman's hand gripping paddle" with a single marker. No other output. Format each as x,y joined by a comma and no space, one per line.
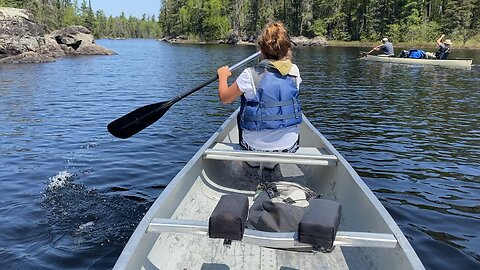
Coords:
137,120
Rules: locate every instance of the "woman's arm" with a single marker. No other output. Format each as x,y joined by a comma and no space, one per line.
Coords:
439,40
227,94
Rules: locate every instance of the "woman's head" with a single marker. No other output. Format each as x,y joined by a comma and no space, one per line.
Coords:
274,42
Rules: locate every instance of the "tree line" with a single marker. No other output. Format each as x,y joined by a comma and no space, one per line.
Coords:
55,14
345,20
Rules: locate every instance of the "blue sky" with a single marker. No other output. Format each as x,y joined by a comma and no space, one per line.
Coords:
131,7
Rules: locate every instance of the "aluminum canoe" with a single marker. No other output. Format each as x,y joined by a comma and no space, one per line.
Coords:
172,234
451,63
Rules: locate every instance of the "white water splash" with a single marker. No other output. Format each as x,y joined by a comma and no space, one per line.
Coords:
86,225
59,180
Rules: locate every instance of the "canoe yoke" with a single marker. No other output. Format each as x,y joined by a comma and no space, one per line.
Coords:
317,228
304,155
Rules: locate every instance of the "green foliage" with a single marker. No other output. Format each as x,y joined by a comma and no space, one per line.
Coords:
411,13
215,24
100,26
318,28
13,3
395,32
87,17
461,21
349,20
424,32
405,20
216,27
69,17
54,14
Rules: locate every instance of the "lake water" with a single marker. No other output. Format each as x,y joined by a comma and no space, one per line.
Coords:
72,194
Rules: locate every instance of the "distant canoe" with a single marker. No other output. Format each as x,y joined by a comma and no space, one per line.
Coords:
451,63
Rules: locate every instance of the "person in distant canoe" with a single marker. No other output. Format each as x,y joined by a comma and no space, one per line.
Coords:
385,49
443,48
270,111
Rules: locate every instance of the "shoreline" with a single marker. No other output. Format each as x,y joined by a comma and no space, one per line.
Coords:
413,45
335,43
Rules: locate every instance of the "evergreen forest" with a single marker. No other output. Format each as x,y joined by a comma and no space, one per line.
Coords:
408,21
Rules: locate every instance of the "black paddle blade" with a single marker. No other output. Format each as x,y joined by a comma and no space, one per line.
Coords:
137,120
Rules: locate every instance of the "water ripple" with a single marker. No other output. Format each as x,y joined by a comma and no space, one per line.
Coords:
412,133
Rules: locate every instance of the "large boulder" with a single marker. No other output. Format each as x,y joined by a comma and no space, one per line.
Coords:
22,40
78,40
318,41
73,36
50,47
93,49
19,32
301,40
304,41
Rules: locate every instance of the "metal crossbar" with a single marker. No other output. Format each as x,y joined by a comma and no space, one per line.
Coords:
274,239
304,155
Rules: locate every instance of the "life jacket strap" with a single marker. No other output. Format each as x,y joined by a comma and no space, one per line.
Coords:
263,118
263,104
259,71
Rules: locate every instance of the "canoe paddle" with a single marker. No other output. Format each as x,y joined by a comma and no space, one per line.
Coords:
137,120
363,54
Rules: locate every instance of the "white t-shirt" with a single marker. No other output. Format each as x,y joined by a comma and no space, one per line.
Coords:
268,139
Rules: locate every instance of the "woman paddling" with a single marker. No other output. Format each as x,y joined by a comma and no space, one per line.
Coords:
270,110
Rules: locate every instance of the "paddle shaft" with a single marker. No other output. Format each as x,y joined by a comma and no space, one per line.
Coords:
137,120
200,86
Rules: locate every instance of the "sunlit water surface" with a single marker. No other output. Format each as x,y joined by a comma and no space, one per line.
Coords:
72,194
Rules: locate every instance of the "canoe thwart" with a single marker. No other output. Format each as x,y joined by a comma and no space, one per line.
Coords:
304,155
286,240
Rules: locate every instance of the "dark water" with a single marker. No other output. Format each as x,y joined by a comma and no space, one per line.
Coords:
72,194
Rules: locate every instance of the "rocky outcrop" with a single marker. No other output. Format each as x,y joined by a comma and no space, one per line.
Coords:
300,41
27,58
176,39
22,39
304,41
18,32
78,40
50,47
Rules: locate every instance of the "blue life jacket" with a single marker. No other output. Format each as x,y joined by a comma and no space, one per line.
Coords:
416,54
275,105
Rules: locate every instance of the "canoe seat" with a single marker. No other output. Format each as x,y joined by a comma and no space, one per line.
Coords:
286,240
229,217
304,155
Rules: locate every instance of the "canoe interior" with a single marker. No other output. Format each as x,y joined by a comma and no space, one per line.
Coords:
195,191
